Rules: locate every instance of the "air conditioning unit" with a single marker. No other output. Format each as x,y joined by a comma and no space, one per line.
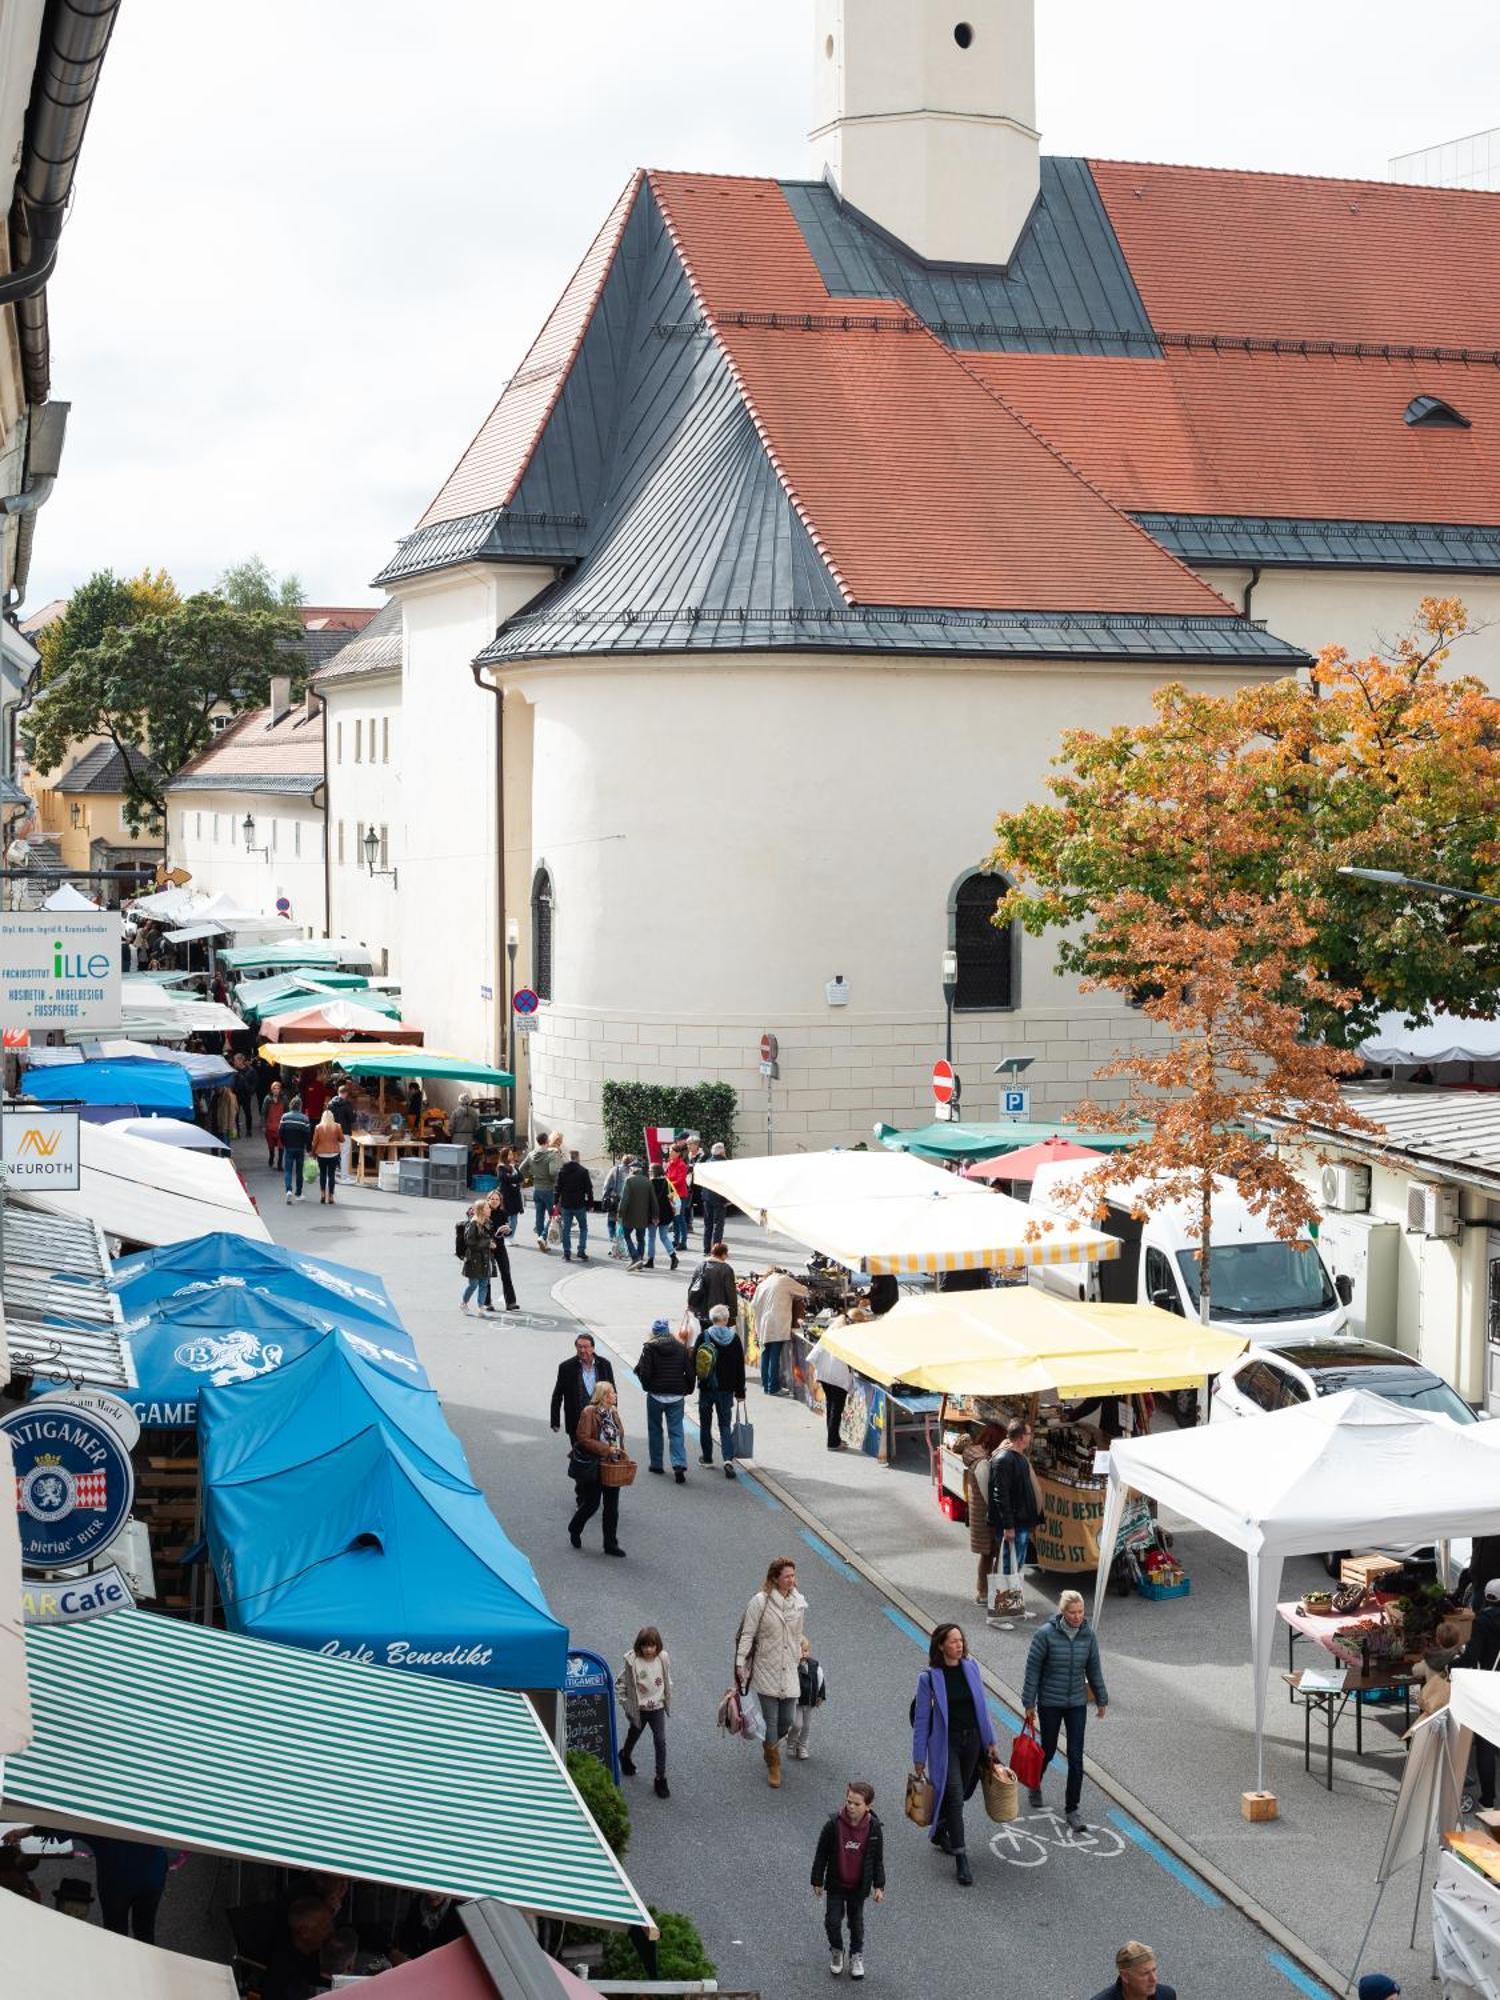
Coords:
1431,1209
1346,1188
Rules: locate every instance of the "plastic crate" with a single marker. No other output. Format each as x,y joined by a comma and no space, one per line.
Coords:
388,1177
485,1183
1160,1590
446,1191
448,1156
412,1176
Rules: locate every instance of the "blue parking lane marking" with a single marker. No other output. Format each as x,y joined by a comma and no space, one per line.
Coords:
758,1492
1003,1715
904,1624
1178,1870
1293,1974
820,1547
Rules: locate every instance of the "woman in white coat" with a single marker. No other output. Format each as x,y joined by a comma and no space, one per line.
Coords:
768,1653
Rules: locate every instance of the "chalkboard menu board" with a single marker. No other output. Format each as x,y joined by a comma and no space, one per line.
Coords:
589,1710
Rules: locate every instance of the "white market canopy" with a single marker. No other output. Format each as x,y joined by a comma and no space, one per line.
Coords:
1444,1039
888,1212
1343,1472
302,1761
66,897
47,1952
151,1194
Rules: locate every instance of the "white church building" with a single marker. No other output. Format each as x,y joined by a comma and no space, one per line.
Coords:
820,508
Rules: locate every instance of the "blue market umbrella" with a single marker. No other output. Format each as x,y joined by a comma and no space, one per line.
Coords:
226,1261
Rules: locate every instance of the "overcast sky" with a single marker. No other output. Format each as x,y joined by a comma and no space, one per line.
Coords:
311,238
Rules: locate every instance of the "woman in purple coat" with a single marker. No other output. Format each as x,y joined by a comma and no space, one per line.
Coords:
952,1736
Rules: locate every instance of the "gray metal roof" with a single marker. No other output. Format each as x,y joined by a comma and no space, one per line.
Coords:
103,769
11,793
1451,1134
1206,539
375,650
296,784
61,1317
1066,290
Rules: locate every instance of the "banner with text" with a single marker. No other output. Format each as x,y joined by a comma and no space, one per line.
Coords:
59,969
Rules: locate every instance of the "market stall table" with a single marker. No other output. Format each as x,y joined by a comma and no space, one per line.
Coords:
372,1147
1331,1702
1322,1628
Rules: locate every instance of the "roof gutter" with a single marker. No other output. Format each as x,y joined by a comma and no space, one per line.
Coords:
1402,1158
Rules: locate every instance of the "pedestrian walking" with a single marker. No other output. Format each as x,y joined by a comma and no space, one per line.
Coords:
1015,1506
665,1372
952,1737
295,1136
812,1692
772,1306
1063,1674
270,1122
637,1207
540,1168
575,1195
680,1182
576,1382
661,1225
609,1202
976,1461
130,1876
835,1379
314,1097
714,1284
508,1178
719,1371
497,1222
848,1870
478,1262
341,1104
644,1688
1135,1978
327,1144
244,1095
600,1436
768,1653
715,1207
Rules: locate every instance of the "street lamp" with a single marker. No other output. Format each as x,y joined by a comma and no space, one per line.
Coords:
247,827
950,989
512,946
1392,878
372,850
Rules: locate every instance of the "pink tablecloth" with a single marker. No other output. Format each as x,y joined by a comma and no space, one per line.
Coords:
1320,1630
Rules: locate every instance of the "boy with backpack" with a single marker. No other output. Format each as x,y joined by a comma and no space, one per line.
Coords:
812,1692
719,1371
850,1866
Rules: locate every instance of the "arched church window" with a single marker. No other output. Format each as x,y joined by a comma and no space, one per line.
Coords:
541,934
988,958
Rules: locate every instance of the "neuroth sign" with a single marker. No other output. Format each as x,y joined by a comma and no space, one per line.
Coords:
60,969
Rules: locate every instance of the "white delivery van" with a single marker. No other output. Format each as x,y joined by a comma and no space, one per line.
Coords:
1262,1287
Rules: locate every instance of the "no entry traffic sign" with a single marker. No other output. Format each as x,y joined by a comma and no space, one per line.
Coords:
768,1048
944,1082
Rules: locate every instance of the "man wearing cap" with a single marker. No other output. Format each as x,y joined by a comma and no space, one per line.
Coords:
1135,1976
1483,1651
665,1372
1377,1986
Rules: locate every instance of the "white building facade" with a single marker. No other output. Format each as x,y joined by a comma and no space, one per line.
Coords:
360,688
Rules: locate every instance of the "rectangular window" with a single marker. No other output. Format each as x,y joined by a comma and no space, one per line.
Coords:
275,835
338,743
341,843
216,829
359,728
197,826
385,739
385,847
359,843
296,836
184,826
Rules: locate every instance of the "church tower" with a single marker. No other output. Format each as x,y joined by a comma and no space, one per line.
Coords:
925,118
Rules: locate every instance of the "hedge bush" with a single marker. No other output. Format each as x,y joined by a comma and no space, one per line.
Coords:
603,1798
679,1951
705,1108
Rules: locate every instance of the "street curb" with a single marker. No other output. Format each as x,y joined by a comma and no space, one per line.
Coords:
1240,1899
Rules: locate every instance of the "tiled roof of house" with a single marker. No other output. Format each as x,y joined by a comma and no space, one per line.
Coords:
375,650
102,769
259,753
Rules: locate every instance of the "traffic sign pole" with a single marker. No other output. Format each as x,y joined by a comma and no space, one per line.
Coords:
770,1069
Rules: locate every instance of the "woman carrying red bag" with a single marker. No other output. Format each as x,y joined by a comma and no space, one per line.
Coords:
952,1736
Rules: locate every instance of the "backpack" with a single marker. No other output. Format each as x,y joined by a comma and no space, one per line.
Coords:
458,1238
706,1364
697,1290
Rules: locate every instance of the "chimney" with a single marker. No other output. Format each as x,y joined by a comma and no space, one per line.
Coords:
281,698
926,120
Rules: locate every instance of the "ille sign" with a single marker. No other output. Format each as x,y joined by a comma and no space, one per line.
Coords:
40,1150
60,969
74,1484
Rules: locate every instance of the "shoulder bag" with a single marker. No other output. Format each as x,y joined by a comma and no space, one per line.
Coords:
921,1797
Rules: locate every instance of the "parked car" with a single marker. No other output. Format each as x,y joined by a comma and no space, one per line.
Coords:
1295,1370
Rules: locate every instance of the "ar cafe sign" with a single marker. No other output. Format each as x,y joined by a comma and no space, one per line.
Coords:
75,1487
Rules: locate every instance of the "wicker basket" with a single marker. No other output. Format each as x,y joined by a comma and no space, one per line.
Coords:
1002,1792
617,1472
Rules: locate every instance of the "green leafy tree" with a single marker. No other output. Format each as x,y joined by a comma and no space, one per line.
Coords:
151,685
252,586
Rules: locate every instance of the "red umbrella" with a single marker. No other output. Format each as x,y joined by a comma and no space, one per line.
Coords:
1022,1166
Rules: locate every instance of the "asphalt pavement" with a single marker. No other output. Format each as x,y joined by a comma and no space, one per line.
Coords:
1047,1909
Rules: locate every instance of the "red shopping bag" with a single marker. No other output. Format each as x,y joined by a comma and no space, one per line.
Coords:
1026,1758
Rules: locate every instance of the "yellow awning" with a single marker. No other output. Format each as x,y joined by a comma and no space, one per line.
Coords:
312,1055
1022,1341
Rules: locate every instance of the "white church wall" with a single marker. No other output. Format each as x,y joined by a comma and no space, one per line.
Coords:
1363,610
208,840
363,729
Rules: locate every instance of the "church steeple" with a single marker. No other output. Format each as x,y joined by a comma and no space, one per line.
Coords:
925,117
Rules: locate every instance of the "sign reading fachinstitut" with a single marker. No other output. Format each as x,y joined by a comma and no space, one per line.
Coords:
60,968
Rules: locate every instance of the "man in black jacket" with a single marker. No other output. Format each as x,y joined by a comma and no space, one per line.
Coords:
665,1372
1014,1513
576,1382
714,1284
850,1865
575,1197
1482,1651
721,1384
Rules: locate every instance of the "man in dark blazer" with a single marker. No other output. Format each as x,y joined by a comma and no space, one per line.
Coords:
576,1382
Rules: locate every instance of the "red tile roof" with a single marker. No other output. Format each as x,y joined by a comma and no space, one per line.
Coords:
1285,254
916,482
1318,437
490,470
291,746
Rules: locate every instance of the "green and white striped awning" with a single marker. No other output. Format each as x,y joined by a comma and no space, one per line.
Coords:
191,1737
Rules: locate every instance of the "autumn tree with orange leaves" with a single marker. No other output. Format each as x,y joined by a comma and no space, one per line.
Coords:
1192,864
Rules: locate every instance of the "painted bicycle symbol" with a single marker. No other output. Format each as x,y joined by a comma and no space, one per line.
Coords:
1024,1842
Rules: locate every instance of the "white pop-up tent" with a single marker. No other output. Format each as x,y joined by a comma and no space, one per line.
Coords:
1345,1472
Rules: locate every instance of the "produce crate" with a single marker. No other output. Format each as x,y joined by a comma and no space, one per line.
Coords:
1367,1570
1159,1590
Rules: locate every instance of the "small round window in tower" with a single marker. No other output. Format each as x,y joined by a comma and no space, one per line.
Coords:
828,48
963,34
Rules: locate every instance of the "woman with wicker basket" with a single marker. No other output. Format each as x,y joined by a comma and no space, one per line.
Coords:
599,1468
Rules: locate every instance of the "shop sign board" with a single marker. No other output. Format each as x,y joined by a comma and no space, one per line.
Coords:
60,968
944,1082
112,1410
589,1710
1067,1537
75,1484
40,1150
91,1596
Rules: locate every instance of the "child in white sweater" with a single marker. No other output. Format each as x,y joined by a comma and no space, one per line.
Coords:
644,1688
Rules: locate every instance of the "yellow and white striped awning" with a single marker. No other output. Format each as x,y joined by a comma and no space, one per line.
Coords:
886,1212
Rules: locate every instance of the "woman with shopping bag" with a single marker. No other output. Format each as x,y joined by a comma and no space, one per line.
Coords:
768,1656
952,1739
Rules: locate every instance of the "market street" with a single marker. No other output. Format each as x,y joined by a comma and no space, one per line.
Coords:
725,1848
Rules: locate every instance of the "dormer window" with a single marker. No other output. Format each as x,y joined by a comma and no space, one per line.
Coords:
1431,413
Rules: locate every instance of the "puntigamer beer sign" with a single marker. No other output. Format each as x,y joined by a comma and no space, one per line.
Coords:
74,1484
59,968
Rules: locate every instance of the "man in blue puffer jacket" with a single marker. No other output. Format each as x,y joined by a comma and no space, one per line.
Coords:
1063,1674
